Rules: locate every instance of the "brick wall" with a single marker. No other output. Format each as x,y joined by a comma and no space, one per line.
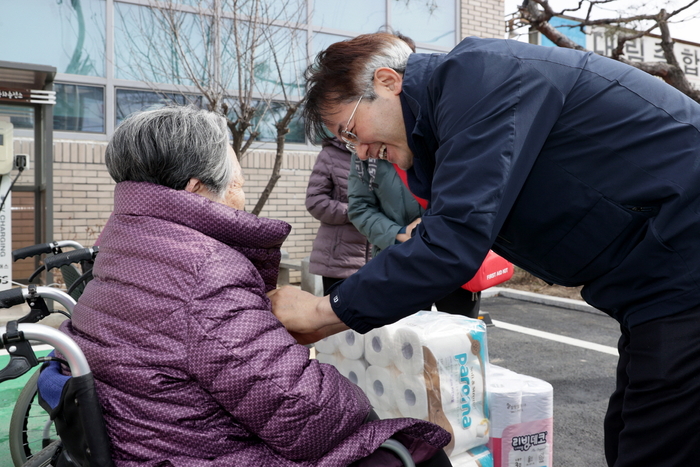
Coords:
82,191
483,18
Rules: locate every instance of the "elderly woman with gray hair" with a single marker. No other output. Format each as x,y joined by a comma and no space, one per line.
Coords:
191,367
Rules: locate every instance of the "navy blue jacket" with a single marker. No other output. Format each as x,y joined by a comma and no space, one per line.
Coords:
580,169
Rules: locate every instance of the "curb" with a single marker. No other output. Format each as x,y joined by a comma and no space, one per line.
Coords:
567,303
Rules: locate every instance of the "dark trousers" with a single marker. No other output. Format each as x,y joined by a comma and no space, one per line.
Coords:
653,417
460,302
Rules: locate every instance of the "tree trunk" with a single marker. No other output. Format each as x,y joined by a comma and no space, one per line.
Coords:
282,130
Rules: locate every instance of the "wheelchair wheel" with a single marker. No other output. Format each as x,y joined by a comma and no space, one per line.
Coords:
31,429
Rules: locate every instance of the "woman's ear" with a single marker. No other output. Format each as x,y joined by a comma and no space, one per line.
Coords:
389,79
194,186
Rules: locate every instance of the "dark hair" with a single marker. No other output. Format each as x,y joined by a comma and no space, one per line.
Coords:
344,72
171,145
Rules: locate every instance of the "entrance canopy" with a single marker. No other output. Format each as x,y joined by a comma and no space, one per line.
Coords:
26,102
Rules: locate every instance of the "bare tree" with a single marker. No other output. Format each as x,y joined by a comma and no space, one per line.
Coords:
244,57
538,13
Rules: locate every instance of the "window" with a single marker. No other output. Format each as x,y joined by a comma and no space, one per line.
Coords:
266,124
68,35
131,100
21,117
79,108
287,11
145,49
430,22
278,55
359,16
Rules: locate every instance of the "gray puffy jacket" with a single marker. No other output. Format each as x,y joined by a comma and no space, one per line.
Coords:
339,249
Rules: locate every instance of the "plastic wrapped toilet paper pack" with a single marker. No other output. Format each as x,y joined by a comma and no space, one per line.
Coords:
450,352
428,366
521,419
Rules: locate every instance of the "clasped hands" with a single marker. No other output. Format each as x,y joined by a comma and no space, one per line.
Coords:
308,318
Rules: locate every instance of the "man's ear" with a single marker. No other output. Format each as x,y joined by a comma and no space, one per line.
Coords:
389,79
194,186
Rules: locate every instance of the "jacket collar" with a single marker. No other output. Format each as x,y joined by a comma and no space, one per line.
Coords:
238,229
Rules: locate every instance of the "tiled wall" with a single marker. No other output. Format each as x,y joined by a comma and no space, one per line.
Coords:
483,18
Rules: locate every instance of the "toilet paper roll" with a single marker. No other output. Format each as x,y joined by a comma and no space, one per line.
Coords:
537,400
379,344
351,344
505,403
331,359
469,438
380,384
327,345
411,397
409,343
354,370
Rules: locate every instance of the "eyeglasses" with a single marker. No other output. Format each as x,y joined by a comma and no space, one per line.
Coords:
349,138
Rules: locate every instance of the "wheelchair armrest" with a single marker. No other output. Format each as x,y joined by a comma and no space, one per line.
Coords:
400,451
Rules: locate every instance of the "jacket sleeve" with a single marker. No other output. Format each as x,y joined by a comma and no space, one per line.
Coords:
319,192
243,356
365,212
487,141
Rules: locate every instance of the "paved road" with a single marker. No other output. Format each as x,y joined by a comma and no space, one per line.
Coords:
583,379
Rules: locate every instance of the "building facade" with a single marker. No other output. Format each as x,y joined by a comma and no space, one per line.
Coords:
109,64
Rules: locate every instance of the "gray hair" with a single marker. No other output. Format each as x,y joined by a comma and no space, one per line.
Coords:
171,145
393,55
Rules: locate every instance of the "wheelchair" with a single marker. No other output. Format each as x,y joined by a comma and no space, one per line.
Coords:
31,428
83,439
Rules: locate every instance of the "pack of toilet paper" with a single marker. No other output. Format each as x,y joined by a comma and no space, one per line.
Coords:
522,411
429,366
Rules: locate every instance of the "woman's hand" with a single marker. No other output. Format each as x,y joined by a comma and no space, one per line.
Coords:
402,237
308,318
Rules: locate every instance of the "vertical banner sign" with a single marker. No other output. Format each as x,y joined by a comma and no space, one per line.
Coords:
5,234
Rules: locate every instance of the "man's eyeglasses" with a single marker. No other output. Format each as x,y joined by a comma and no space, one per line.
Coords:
349,138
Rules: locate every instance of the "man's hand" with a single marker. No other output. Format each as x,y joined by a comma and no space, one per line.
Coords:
307,318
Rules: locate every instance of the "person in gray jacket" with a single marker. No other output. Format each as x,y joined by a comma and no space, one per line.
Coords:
339,249
385,211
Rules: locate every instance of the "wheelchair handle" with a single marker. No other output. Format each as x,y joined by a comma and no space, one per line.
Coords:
43,248
17,296
11,297
70,257
60,341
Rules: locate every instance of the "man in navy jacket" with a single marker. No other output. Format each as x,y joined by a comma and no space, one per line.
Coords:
577,168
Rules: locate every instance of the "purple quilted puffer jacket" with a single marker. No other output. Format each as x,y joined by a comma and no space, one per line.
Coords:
192,368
